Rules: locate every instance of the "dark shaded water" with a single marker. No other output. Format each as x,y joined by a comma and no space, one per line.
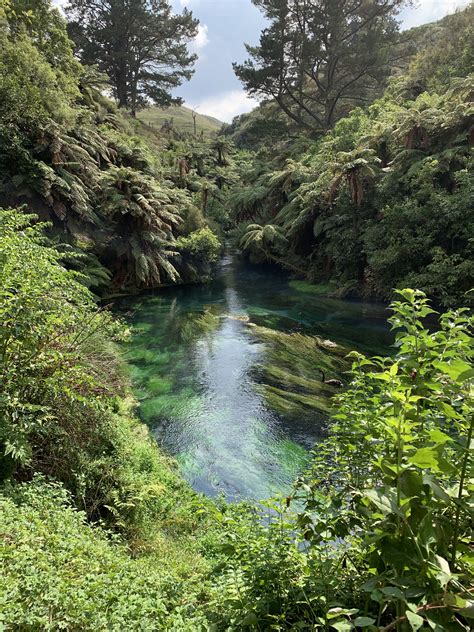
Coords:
192,360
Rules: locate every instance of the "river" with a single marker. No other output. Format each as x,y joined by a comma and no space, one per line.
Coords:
193,358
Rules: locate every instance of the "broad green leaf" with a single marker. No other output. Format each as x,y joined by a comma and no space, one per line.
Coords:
393,369
337,611
387,503
393,592
468,610
439,437
342,626
414,620
249,619
443,575
363,622
425,458
456,369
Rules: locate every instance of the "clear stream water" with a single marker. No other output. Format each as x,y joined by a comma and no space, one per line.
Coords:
196,384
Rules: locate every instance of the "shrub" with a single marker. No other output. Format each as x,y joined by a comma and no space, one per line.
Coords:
202,245
59,573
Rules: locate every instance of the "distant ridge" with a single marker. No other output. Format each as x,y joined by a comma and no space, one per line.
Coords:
182,119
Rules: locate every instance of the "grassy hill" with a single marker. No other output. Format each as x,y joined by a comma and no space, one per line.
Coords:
182,119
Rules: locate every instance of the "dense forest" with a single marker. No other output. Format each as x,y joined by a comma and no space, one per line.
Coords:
354,178
384,199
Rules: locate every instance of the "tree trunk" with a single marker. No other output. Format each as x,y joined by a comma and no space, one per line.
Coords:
121,87
205,197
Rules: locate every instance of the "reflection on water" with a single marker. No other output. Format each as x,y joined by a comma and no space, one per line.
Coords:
193,358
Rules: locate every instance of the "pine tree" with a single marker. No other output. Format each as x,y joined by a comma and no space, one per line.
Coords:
140,44
319,58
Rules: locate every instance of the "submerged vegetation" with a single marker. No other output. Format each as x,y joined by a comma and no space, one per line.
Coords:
293,374
98,528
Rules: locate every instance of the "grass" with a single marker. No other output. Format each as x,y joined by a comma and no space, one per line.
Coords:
182,120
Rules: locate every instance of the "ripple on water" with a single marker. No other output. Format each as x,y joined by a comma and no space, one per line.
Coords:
239,406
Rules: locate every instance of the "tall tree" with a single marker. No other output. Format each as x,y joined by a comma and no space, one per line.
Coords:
319,58
140,44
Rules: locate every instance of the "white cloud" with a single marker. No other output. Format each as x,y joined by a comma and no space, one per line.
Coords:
201,40
225,105
430,10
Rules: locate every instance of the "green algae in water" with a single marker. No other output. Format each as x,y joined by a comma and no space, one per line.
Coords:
318,289
292,457
158,385
290,377
142,328
294,404
140,354
200,325
181,405
241,406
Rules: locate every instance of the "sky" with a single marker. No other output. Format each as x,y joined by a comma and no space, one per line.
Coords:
225,25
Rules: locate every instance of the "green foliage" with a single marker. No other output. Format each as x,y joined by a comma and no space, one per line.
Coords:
449,54
380,202
62,407
145,218
317,60
59,573
150,41
201,244
98,529
49,328
393,478
376,534
106,183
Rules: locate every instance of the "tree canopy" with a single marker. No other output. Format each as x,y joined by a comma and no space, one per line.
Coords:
140,44
319,58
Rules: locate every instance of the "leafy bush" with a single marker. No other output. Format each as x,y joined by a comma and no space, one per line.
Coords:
64,408
59,573
393,481
202,244
382,200
56,364
94,173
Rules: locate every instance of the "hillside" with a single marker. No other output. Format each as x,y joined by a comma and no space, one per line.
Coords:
182,119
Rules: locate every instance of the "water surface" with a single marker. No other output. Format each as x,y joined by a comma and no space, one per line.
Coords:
193,360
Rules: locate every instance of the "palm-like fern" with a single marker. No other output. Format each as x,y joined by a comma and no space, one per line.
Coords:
415,124
144,218
355,168
247,202
263,237
293,174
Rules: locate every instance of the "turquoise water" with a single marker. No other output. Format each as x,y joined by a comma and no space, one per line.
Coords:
193,359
